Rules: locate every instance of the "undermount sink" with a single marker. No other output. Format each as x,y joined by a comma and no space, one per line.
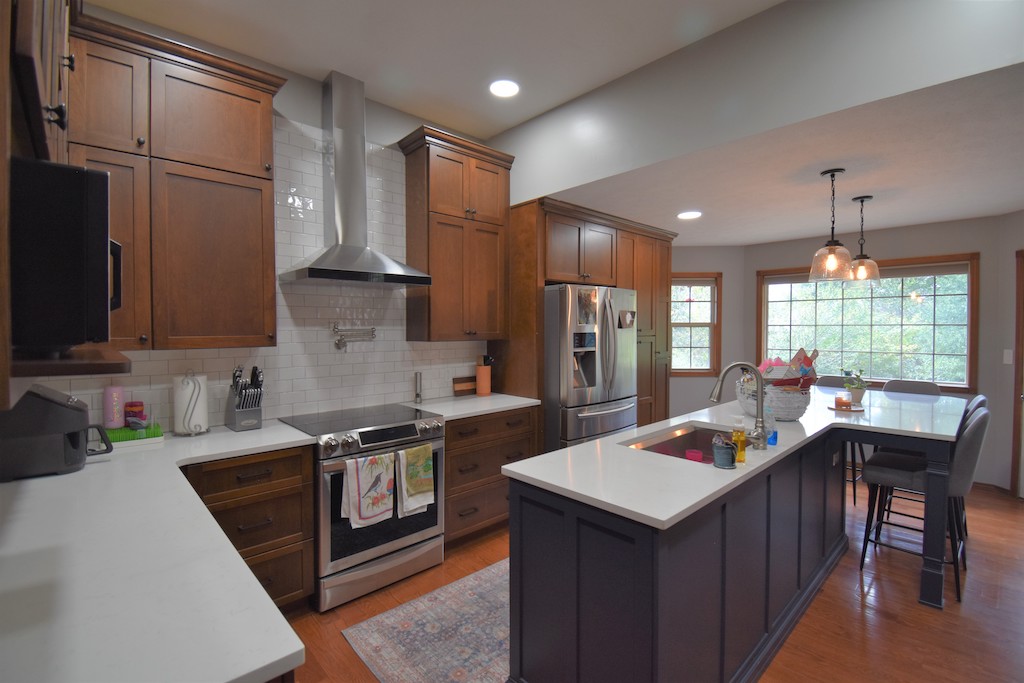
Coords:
679,440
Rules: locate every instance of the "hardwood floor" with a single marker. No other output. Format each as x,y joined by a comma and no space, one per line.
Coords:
861,626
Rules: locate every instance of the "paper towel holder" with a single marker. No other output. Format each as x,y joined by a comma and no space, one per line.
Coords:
191,385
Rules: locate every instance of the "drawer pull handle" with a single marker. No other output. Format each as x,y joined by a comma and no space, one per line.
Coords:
514,456
466,513
469,432
514,423
244,529
465,469
254,475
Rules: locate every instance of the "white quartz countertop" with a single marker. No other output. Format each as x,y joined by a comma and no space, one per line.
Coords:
660,490
457,407
118,572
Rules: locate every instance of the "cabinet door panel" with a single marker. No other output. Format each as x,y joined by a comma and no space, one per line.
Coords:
485,282
645,289
645,379
448,182
447,268
208,121
109,98
625,276
599,254
213,258
131,326
488,192
564,249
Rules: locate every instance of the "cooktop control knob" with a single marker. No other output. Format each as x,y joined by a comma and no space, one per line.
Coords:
331,445
436,426
348,441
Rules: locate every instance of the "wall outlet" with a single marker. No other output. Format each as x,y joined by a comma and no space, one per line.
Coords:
1007,356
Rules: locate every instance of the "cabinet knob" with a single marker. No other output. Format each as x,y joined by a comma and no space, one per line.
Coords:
143,338
68,61
140,141
473,211
270,335
58,115
267,167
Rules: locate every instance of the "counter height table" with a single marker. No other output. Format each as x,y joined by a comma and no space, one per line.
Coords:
626,562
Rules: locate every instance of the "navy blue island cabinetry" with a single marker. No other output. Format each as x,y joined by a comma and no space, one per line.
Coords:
598,597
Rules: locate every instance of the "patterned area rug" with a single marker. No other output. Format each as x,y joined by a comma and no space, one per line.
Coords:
457,633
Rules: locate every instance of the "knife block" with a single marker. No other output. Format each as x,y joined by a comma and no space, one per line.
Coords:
243,419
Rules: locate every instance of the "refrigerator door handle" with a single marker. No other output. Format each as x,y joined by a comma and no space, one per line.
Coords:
609,352
612,411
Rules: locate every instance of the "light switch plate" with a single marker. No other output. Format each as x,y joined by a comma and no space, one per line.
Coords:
1007,356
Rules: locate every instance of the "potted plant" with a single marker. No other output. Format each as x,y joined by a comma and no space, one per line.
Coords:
855,384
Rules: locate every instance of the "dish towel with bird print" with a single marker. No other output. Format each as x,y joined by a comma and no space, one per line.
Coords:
369,493
415,480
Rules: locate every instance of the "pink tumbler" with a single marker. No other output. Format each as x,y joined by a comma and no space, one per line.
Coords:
113,407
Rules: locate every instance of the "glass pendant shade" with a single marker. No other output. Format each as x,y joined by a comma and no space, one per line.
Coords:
865,270
831,262
864,267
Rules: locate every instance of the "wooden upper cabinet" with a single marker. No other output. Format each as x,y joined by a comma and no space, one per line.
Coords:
213,258
209,121
463,186
579,251
457,231
109,98
131,326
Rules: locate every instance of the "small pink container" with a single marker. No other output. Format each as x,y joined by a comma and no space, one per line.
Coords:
694,454
113,407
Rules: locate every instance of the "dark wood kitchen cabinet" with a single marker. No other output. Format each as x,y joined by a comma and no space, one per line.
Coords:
264,504
579,251
203,127
109,91
41,60
457,231
130,325
476,492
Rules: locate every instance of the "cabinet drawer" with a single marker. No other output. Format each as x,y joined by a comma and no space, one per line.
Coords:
464,469
472,430
226,479
476,509
285,573
265,521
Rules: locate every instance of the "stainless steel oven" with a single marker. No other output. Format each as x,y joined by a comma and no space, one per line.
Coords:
352,562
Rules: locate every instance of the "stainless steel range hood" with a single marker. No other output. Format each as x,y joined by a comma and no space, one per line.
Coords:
346,256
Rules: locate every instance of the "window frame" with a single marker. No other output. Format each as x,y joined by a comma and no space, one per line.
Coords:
972,260
716,325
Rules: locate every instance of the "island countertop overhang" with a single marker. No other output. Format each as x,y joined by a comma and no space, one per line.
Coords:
659,490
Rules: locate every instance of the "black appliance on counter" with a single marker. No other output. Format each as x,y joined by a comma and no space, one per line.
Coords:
61,273
352,562
46,432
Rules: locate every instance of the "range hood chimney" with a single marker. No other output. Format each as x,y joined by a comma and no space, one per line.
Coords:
346,256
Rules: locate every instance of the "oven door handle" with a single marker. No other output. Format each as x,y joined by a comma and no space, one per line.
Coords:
334,465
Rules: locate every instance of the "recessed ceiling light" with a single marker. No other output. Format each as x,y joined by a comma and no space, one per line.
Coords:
688,215
504,88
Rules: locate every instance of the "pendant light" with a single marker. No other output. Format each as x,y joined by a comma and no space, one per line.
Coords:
864,267
832,261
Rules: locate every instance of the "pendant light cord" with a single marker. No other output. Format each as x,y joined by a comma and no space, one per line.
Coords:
861,240
833,176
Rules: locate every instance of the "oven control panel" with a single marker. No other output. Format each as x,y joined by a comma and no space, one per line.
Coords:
357,440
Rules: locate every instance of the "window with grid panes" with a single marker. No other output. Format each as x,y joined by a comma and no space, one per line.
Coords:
915,324
695,310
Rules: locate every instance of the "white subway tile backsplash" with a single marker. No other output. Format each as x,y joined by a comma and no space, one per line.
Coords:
305,372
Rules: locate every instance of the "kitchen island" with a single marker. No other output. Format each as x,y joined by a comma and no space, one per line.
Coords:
628,564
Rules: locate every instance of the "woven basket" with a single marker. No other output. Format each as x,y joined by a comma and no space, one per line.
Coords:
787,405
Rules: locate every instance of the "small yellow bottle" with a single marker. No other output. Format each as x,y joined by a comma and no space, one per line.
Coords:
739,437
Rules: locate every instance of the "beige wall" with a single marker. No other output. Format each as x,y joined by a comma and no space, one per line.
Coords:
996,238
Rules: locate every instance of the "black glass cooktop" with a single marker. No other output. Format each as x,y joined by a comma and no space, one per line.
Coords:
351,419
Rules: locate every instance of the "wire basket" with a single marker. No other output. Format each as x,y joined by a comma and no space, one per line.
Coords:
787,405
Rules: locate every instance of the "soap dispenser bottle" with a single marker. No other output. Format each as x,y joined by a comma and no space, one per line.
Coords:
739,437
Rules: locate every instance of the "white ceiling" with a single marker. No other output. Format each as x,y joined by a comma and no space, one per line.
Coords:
952,151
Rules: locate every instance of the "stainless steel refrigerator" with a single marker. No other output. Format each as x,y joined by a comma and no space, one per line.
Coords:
589,363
